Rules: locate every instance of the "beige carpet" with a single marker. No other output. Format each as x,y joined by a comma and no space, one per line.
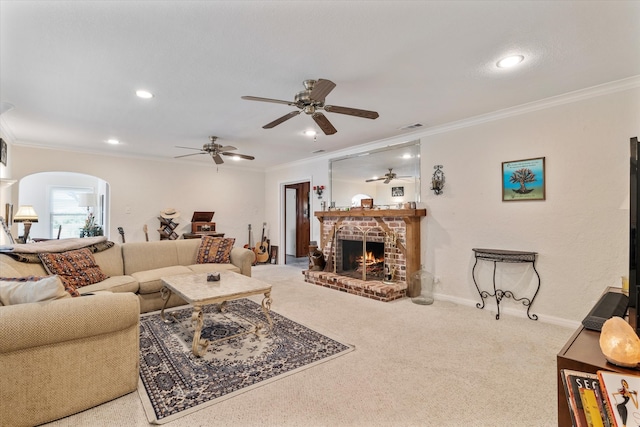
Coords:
414,365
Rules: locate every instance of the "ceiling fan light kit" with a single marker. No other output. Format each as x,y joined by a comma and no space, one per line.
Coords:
311,102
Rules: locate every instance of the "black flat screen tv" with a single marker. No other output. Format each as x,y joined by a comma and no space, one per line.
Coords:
634,242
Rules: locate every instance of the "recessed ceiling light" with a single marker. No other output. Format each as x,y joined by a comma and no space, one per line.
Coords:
113,141
407,156
510,61
236,158
144,94
310,132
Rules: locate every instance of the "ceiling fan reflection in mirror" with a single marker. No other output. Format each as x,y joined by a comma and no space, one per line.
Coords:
311,101
388,177
215,150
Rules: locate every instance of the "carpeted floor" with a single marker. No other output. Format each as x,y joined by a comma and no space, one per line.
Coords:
414,365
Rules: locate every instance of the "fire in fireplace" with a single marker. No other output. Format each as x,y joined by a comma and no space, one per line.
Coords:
355,260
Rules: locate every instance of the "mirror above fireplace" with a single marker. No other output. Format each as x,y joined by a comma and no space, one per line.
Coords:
389,175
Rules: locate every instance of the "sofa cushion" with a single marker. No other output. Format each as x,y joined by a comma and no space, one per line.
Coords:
113,284
76,268
149,280
143,256
216,250
24,290
213,268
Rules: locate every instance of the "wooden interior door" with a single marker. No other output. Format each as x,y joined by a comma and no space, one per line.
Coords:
302,218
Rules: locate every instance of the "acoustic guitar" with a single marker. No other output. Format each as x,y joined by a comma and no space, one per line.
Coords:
121,231
262,250
146,232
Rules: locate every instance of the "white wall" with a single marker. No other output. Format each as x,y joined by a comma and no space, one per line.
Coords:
141,188
580,231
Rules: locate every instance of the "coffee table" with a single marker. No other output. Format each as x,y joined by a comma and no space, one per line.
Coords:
195,290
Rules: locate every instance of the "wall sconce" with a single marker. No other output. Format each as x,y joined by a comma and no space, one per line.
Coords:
27,215
437,181
318,189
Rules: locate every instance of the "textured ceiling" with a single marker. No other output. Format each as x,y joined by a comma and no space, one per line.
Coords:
70,68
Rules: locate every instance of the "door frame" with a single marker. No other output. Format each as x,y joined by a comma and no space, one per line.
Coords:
302,240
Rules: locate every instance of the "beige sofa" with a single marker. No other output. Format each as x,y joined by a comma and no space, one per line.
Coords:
63,356
138,266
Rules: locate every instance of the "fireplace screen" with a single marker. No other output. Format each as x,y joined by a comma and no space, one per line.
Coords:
356,259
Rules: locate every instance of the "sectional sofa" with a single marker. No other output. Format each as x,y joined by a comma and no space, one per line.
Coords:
64,355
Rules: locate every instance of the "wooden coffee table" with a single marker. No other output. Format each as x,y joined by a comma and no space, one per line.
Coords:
195,290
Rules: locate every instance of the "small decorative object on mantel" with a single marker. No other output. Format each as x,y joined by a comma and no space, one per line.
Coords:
318,189
619,343
366,203
437,181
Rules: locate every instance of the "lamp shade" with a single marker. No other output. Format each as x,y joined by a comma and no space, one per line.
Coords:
25,213
87,200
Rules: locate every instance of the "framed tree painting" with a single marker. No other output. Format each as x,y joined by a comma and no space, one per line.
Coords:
523,180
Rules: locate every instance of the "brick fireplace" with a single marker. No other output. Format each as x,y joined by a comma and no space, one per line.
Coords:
387,239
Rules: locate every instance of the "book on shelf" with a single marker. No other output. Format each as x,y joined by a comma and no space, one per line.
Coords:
621,396
586,401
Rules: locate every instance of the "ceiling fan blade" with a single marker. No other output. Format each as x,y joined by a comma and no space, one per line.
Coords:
227,148
189,148
321,89
217,159
242,156
388,180
276,101
192,154
284,118
374,179
366,114
324,123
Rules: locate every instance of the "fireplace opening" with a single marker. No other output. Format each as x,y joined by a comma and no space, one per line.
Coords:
354,261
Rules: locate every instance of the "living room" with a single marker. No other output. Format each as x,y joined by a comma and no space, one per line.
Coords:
579,231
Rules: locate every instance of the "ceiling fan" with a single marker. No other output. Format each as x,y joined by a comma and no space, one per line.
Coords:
311,101
388,177
215,150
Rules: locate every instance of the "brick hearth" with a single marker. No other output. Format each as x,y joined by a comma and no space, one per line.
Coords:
373,289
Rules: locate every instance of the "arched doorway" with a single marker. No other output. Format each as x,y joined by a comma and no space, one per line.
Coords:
63,202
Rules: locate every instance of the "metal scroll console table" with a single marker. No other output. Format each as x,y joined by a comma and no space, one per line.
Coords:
499,255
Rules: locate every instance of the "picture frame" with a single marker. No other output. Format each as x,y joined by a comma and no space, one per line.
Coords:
3,151
366,203
274,255
397,191
524,180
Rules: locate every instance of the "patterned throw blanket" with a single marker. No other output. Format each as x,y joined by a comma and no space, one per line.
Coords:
28,252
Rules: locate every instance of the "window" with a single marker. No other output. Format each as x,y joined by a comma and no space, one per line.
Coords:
65,211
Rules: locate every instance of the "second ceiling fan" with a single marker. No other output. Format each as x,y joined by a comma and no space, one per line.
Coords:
311,101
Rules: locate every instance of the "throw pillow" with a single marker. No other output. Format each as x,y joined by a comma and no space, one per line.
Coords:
76,268
21,290
215,250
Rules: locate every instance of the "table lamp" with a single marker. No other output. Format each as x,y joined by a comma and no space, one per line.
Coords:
88,200
27,215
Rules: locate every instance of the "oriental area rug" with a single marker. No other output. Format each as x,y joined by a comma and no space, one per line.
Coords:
174,382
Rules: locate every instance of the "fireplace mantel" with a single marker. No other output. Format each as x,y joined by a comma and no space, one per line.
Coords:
373,213
407,221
